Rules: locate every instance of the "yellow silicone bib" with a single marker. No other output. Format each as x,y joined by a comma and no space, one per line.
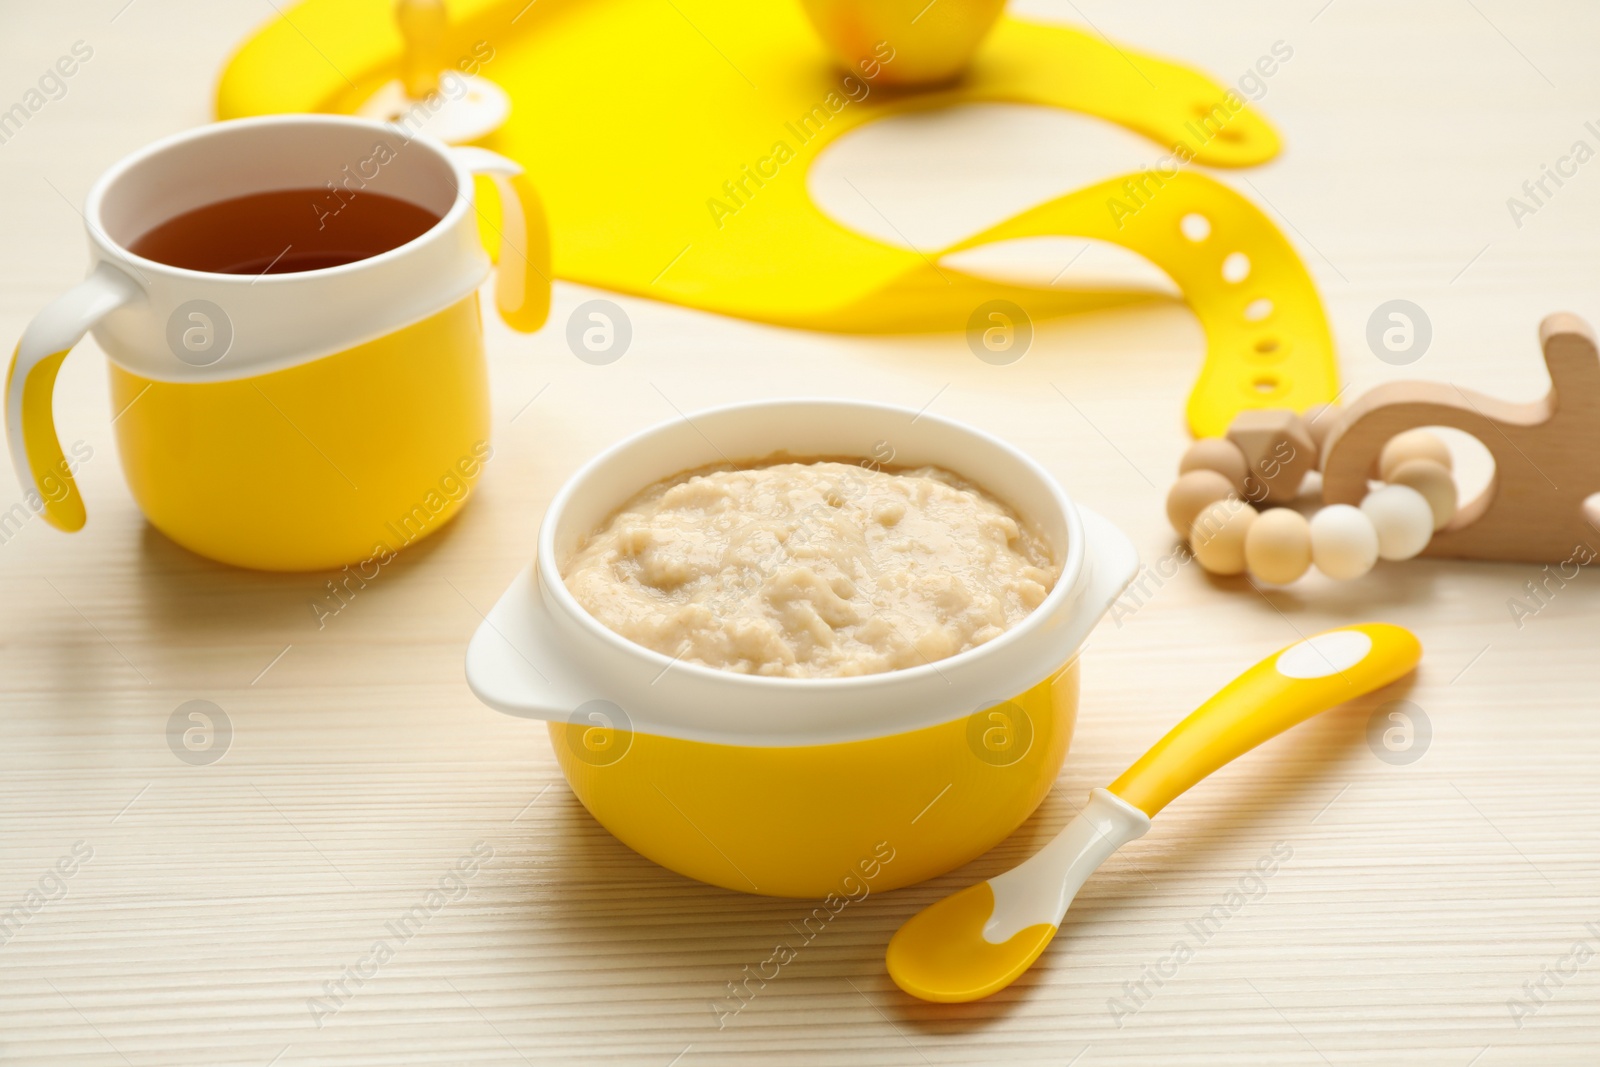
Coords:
670,142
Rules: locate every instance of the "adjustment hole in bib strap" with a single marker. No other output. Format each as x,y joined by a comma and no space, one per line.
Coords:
1257,309
1195,227
1236,268
1267,346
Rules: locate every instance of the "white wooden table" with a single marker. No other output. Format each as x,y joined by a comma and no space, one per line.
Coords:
223,902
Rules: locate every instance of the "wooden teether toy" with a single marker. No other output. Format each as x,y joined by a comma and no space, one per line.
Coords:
1547,463
1546,454
1225,481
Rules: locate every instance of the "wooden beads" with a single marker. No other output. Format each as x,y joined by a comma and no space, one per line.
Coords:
1278,451
1191,493
1402,518
1218,535
1413,444
1278,547
1263,460
1344,543
1434,482
1218,455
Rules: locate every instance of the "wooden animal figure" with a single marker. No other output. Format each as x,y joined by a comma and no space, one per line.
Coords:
1546,454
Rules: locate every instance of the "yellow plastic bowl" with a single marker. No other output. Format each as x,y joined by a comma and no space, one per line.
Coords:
805,821
802,787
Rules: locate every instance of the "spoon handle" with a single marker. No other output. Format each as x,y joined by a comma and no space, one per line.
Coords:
1277,693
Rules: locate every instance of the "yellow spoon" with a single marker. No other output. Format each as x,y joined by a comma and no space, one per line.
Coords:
983,938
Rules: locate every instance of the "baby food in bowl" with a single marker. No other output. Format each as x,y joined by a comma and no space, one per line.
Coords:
812,569
836,760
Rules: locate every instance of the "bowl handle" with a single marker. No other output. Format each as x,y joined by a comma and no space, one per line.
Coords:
511,662
1112,562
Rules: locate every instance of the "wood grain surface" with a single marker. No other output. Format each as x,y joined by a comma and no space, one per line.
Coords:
227,913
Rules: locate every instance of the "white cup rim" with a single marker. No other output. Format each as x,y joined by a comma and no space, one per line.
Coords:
116,251
269,322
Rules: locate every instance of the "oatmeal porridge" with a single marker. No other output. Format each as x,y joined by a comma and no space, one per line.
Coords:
811,569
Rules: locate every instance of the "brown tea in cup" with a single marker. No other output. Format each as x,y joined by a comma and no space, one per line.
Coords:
284,231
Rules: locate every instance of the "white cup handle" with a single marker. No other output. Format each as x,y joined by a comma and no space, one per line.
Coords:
41,466
522,289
